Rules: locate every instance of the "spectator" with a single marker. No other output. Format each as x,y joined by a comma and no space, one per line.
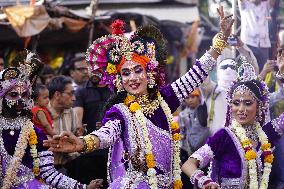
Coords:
193,124
78,71
62,97
1,63
254,27
41,115
216,93
278,104
89,104
46,75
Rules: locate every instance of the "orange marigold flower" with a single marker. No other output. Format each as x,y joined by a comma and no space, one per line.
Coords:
269,158
246,143
134,107
36,170
250,154
33,138
177,136
178,184
150,160
266,146
129,99
174,125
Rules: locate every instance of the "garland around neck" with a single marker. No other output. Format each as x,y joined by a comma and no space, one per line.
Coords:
136,109
251,155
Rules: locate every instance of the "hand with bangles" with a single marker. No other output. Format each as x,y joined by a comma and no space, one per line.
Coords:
65,142
220,39
211,185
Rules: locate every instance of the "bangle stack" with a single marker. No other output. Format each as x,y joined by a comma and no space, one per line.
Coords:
219,43
89,143
199,179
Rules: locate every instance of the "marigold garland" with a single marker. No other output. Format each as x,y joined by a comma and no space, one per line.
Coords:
33,142
135,108
251,155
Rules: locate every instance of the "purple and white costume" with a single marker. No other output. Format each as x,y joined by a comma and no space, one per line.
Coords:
121,132
225,152
25,176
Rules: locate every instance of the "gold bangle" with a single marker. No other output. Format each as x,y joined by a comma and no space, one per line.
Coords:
219,42
90,143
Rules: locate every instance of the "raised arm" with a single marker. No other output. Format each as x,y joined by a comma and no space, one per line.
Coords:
183,86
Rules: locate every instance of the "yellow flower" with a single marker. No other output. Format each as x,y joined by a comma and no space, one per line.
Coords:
134,107
150,160
111,69
250,154
178,184
176,136
33,138
269,158
174,125
246,143
129,99
266,146
36,170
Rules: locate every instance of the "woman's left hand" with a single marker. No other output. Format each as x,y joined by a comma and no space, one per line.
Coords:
211,185
226,22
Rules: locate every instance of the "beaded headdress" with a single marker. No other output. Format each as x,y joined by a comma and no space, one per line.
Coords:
247,81
146,47
22,72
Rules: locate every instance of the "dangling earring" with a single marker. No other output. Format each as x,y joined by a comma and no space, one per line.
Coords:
118,83
1,102
259,113
151,80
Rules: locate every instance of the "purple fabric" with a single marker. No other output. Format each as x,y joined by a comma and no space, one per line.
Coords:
11,141
228,163
226,154
31,184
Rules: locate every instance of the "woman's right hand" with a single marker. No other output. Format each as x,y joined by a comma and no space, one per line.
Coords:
211,185
65,142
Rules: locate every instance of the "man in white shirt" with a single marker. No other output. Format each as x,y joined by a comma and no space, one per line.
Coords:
254,27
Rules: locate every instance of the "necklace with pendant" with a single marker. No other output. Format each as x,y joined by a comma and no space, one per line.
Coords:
12,124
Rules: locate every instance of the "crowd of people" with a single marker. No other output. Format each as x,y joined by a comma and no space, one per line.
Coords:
113,122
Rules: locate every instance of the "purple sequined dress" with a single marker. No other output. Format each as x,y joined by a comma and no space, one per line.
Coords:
226,155
25,177
121,132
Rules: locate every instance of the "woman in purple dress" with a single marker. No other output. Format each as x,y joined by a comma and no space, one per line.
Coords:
139,125
240,154
24,162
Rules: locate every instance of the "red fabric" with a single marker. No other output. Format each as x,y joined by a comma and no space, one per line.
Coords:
35,120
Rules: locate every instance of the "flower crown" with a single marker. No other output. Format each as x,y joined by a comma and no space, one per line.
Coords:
146,46
24,69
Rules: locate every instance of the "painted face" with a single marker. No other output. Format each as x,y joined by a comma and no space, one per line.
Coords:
43,98
17,98
244,107
226,73
134,78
